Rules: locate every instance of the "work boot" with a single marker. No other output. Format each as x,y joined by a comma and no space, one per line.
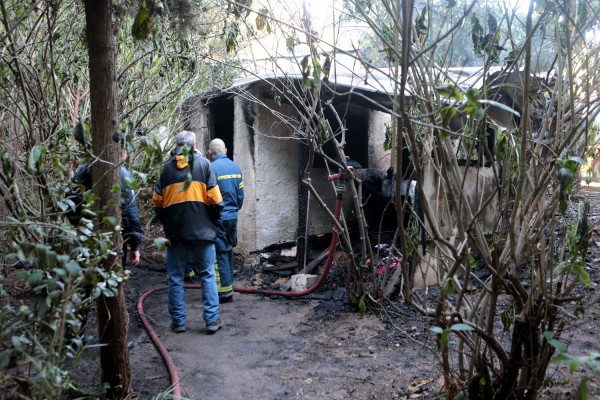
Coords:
213,327
226,297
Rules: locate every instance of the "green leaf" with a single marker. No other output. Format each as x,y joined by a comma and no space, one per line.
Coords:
579,270
449,91
58,165
461,327
73,268
144,20
448,113
41,253
35,277
260,22
362,306
51,258
436,329
34,157
63,206
448,287
85,231
577,159
110,220
560,268
572,361
492,23
18,342
500,105
549,335
582,392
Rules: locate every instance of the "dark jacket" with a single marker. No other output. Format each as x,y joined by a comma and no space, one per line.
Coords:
130,216
231,185
187,213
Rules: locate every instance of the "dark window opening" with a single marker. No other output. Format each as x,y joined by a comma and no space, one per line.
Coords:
220,123
356,122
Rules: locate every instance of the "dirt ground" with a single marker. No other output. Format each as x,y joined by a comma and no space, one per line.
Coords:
311,348
307,348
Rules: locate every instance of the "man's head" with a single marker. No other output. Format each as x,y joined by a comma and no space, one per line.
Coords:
216,147
186,138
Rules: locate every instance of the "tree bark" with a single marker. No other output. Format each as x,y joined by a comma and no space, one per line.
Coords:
112,314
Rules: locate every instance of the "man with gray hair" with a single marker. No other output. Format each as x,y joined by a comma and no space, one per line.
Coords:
229,177
188,209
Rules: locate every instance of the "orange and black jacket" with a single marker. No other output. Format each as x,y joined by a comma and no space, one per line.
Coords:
187,213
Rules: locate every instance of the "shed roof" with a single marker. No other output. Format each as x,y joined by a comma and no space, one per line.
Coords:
373,88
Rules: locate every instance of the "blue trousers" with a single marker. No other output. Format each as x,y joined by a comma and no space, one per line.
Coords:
224,268
226,241
204,260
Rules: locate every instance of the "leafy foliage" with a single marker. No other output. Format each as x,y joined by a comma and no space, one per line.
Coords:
44,120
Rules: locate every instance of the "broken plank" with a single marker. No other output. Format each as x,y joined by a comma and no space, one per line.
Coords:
314,263
279,267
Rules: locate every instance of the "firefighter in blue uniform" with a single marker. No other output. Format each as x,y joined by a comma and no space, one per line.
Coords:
229,178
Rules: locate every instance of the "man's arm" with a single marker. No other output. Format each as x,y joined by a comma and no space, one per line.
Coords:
132,228
158,201
240,193
215,199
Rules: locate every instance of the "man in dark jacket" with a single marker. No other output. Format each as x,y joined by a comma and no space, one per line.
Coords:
187,201
130,224
130,217
231,185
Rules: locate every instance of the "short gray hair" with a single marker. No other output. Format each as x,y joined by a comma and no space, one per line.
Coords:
217,146
187,138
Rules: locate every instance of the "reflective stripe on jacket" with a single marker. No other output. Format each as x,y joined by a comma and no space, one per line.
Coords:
184,211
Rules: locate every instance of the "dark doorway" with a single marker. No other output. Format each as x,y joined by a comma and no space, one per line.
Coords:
220,123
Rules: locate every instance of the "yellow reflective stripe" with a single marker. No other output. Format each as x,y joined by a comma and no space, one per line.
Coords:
214,195
176,193
225,289
217,275
232,176
241,186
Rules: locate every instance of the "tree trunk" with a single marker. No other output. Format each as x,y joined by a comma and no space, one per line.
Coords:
112,313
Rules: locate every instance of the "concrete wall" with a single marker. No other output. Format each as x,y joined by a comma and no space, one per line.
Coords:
479,183
245,157
194,117
267,154
379,159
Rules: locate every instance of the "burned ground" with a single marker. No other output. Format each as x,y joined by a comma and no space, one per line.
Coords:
314,347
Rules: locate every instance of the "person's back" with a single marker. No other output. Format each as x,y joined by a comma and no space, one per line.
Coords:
185,208
187,201
229,176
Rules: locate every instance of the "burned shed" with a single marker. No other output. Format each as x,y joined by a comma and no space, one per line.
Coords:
262,131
